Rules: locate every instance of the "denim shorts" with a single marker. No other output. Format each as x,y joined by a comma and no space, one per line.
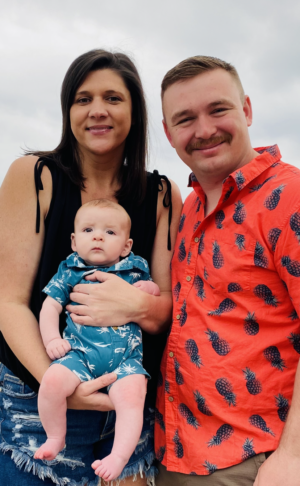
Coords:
89,436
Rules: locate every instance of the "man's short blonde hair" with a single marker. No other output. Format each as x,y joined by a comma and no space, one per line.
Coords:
193,66
107,203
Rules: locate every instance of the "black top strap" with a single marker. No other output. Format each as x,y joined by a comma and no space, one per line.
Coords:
38,168
167,201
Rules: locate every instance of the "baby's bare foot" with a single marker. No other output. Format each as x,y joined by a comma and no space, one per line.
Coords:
50,449
110,467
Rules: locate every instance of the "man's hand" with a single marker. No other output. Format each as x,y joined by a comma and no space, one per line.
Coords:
57,348
280,469
111,303
87,396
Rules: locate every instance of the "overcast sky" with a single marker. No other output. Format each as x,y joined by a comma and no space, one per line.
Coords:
39,40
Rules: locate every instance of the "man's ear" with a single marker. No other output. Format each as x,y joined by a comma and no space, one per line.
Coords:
73,242
127,248
167,133
247,108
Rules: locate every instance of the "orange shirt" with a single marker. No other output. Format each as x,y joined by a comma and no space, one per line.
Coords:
229,365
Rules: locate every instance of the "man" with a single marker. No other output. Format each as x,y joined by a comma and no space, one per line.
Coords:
231,358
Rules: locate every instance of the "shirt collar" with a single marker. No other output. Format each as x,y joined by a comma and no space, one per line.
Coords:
131,262
266,157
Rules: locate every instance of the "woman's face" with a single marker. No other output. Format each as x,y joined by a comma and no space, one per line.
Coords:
101,114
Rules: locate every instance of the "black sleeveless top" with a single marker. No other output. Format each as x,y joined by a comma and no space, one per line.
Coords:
59,225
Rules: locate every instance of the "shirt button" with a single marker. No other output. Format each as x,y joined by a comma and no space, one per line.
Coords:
171,354
189,278
171,399
196,240
178,317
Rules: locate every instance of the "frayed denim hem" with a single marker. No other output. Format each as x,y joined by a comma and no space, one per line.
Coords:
23,460
142,466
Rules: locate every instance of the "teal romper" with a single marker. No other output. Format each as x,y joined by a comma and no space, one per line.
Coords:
99,350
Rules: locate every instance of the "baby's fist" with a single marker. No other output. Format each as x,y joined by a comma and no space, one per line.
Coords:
57,348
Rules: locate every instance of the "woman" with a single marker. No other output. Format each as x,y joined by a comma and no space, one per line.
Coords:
101,155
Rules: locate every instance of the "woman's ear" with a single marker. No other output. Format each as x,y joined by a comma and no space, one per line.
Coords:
127,248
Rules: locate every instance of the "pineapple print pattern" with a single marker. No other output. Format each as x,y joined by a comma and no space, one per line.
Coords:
260,423
181,223
295,225
160,454
264,293
260,260
240,241
292,266
239,214
210,468
271,202
219,218
273,236
295,341
237,338
251,326
223,433
218,259
283,407
220,346
239,179
234,287
176,291
272,355
227,305
224,387
199,286
159,419
178,447
193,352
178,375
181,251
253,385
201,404
187,414
248,450
228,194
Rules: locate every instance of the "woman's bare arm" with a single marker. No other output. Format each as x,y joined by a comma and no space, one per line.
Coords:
116,302
20,252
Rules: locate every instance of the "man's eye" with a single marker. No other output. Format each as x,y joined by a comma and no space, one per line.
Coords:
184,120
110,232
87,230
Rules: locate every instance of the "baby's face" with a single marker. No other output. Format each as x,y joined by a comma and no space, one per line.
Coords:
101,235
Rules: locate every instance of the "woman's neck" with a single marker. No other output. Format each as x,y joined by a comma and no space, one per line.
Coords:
102,177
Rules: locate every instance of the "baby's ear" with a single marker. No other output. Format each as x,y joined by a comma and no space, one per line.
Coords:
73,242
127,248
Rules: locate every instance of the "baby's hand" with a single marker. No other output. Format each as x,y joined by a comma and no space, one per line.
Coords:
57,348
147,286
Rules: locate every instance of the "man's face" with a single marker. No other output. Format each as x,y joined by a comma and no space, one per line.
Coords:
207,122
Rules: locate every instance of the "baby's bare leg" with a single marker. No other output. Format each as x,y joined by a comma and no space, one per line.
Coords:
128,396
58,383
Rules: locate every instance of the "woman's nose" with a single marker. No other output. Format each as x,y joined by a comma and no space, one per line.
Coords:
98,109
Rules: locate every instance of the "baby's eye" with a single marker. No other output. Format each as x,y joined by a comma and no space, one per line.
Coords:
110,232
87,230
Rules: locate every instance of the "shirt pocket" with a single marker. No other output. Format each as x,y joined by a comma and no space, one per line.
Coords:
227,268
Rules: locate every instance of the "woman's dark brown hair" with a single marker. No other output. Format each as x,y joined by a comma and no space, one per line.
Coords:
66,154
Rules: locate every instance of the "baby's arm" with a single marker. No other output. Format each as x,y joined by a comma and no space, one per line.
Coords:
147,286
56,347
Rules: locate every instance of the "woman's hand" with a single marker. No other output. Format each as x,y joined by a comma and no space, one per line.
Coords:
87,396
111,303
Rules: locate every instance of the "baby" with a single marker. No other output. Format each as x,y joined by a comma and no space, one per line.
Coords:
101,237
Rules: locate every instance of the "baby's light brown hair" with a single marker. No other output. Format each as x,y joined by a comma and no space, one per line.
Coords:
107,203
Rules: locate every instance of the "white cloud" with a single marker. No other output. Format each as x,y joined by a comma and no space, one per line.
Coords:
39,40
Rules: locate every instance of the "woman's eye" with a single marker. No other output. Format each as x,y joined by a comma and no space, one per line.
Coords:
87,230
82,101
114,99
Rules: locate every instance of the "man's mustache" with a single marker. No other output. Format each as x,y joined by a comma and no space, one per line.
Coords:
204,143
